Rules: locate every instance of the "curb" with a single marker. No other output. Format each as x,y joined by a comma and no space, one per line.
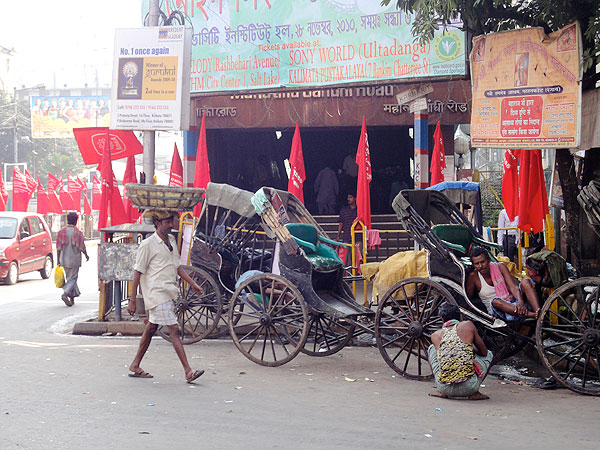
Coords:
112,328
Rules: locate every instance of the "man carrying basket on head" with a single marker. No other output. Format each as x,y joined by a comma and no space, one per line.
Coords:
156,268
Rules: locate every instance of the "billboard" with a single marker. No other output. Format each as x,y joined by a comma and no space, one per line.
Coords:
56,116
149,67
270,44
526,89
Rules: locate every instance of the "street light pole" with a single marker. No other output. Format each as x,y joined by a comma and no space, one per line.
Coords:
150,136
15,144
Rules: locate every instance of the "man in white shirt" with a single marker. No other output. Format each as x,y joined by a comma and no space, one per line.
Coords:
156,268
508,239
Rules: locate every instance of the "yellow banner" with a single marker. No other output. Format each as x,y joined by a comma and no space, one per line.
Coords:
526,89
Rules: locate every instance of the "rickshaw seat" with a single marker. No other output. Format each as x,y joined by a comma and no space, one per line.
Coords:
460,238
322,257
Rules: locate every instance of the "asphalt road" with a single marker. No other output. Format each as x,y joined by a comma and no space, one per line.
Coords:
60,391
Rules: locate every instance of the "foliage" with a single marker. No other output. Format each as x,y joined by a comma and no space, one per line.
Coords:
41,155
486,16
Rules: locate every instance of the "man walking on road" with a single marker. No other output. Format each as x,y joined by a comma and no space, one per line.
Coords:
156,268
69,247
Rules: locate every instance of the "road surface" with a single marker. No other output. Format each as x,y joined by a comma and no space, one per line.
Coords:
60,391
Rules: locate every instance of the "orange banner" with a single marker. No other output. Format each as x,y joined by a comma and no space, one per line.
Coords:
526,89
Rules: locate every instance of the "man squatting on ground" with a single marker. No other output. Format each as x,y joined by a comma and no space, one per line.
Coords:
156,268
70,244
458,356
498,291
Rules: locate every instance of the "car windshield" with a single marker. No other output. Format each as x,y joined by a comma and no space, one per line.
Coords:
8,227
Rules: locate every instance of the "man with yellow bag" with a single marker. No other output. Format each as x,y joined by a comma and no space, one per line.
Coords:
69,246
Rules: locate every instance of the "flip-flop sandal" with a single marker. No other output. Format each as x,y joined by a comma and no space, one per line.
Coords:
141,374
197,374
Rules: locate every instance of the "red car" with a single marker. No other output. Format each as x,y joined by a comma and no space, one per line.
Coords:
25,245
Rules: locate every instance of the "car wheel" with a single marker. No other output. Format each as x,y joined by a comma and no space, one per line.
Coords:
46,271
13,274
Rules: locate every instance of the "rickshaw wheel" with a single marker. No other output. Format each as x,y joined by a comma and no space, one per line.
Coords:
273,319
406,318
568,335
197,315
326,336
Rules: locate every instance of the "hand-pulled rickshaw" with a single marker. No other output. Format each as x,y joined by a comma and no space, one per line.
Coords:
566,333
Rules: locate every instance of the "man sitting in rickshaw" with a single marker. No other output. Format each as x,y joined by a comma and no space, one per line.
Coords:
497,290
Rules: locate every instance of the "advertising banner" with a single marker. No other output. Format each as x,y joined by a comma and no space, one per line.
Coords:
526,89
148,92
267,44
55,117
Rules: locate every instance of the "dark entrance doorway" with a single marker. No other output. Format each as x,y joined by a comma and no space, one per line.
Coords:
250,158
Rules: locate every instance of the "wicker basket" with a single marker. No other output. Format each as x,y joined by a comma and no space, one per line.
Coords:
169,198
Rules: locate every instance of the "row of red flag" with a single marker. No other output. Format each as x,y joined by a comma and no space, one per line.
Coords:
58,198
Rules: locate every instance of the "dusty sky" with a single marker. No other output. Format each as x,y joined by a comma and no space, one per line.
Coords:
64,41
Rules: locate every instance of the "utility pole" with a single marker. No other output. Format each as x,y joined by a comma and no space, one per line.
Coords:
15,139
149,136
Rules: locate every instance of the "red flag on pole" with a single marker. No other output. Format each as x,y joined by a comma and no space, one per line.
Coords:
74,188
54,205
87,209
297,174
96,193
363,194
176,175
123,143
533,199
43,204
202,172
111,203
438,158
20,191
510,183
130,177
3,194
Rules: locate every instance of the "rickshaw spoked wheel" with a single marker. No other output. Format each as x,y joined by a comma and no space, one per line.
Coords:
272,321
568,335
406,318
326,336
197,314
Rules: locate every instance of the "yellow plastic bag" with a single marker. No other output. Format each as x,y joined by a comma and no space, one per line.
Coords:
59,276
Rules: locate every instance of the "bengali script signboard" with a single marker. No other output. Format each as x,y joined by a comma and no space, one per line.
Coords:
526,89
266,44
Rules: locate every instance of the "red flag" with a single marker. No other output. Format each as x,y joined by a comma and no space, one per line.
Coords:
20,191
438,158
202,172
123,143
297,174
176,175
74,188
111,203
43,203
87,209
130,177
510,183
533,199
363,194
3,194
54,205
66,200
96,193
